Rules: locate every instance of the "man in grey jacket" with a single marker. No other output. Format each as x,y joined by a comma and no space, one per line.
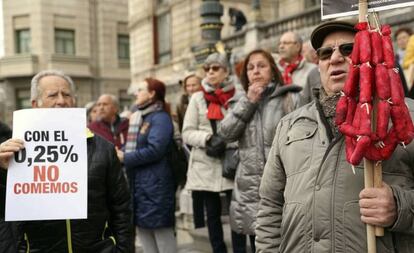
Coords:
311,201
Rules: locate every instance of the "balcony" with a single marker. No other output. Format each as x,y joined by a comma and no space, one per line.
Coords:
19,65
298,22
73,65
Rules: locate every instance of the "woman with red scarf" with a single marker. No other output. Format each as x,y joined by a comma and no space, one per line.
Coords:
204,177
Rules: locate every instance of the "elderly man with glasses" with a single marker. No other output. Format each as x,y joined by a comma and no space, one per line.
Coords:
310,199
295,68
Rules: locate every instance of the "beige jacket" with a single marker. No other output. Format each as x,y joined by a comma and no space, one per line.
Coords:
204,172
309,195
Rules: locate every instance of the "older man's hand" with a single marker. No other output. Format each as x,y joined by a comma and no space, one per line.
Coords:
7,150
377,206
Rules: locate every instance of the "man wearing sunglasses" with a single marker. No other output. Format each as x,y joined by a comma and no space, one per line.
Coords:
310,200
294,68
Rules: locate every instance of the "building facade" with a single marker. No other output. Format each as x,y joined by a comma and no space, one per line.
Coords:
87,39
164,33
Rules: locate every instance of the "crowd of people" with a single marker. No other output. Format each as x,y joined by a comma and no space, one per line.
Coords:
292,189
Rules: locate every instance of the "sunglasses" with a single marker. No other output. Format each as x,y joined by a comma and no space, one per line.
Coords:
326,52
215,68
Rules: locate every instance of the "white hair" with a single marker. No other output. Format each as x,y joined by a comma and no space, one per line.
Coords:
35,91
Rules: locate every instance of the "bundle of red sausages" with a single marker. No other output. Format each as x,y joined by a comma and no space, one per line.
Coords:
373,68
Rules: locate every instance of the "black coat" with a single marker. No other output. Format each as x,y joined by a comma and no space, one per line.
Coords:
7,241
108,227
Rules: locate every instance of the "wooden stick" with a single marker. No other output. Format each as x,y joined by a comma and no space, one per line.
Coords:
379,231
368,165
369,183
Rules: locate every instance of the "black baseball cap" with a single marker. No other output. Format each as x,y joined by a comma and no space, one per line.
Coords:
324,29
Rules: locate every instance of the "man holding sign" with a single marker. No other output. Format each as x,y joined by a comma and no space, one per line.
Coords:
108,226
310,199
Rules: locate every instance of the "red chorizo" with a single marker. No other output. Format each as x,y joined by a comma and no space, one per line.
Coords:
376,45
383,117
349,148
382,82
365,119
387,48
397,91
365,80
351,84
359,151
341,110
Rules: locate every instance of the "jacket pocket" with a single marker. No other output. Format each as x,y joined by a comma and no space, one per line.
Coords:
299,143
292,228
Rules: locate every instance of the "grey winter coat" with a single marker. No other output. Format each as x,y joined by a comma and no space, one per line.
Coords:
309,194
253,125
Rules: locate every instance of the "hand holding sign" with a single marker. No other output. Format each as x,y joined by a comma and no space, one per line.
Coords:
7,150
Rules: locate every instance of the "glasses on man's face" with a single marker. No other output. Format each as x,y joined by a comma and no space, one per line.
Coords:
215,68
287,42
326,52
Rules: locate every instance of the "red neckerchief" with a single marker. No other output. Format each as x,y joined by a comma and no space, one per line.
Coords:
216,100
289,68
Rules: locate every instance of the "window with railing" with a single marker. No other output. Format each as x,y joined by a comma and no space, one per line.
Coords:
65,41
22,41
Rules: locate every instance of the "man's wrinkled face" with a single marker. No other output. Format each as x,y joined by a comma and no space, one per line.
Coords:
289,48
334,69
106,108
54,92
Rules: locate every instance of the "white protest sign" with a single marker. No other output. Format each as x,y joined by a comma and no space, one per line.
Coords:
343,8
48,179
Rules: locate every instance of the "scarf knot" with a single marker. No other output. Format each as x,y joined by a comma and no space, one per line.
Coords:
135,122
289,68
217,99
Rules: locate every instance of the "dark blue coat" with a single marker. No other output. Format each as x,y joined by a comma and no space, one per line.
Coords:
152,179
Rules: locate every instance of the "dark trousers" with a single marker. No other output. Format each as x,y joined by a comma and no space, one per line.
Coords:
239,242
212,203
215,227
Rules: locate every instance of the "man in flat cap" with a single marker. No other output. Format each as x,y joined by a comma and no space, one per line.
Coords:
311,201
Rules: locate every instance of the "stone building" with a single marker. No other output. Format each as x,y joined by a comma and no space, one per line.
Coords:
87,39
165,34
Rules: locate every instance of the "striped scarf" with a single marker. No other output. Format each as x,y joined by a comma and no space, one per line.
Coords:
135,122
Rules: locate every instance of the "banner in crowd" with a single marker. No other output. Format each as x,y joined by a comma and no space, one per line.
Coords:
342,8
47,180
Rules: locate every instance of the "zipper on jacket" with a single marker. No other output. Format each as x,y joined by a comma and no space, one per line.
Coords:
26,238
333,192
69,236
110,237
328,150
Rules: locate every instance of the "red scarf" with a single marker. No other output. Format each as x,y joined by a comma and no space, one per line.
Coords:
216,100
289,68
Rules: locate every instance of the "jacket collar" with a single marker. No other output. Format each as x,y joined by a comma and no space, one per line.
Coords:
313,112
